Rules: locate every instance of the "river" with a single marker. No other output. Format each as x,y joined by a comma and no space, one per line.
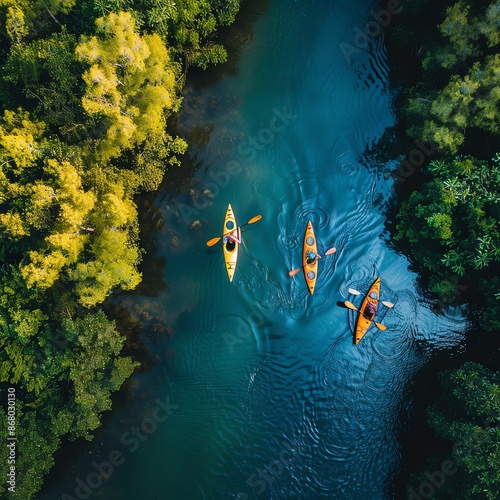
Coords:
254,389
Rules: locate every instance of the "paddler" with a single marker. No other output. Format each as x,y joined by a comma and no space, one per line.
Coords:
232,237
371,308
311,257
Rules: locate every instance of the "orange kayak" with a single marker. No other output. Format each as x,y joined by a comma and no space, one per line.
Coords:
367,311
310,269
230,248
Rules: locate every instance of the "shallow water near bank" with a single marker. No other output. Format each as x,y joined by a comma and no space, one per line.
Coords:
256,389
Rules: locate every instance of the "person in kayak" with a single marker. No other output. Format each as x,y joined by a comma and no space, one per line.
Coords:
371,309
231,239
311,257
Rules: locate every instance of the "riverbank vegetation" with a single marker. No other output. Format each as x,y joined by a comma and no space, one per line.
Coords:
449,223
467,417
86,91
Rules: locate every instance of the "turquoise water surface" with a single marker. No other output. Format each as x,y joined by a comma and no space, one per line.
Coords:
254,389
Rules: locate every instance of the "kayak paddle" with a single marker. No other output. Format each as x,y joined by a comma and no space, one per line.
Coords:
213,241
350,305
386,304
328,252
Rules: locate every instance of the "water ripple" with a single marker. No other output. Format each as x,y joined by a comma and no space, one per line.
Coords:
261,366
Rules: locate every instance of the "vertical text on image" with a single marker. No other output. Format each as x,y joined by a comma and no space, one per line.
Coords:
11,439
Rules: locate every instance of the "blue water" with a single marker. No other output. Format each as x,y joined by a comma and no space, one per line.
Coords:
266,395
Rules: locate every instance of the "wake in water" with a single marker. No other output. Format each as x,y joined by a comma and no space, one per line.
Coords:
275,401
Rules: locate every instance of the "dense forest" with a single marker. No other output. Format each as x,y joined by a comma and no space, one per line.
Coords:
86,90
448,220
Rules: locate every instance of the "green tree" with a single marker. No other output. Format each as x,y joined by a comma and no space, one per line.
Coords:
451,223
113,264
19,141
187,26
83,130
79,373
192,26
47,73
24,16
461,67
57,228
130,84
66,241
468,416
36,444
95,369
466,102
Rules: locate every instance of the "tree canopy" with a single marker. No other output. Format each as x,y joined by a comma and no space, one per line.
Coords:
87,89
451,221
460,91
467,414
450,224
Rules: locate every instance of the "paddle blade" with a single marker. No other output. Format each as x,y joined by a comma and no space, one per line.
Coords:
387,304
353,291
213,241
350,305
294,272
254,219
330,251
380,326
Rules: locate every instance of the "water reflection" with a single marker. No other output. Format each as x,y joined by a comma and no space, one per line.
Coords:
259,364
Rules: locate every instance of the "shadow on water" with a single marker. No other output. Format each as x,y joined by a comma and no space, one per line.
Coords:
261,369
235,38
179,183
73,457
417,439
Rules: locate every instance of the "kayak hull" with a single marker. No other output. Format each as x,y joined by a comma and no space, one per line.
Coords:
230,248
365,318
310,270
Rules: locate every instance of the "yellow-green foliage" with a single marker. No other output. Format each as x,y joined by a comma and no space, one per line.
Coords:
83,130
130,83
23,16
19,137
468,101
467,59
451,222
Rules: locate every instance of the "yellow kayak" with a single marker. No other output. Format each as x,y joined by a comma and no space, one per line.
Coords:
365,315
310,269
229,246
